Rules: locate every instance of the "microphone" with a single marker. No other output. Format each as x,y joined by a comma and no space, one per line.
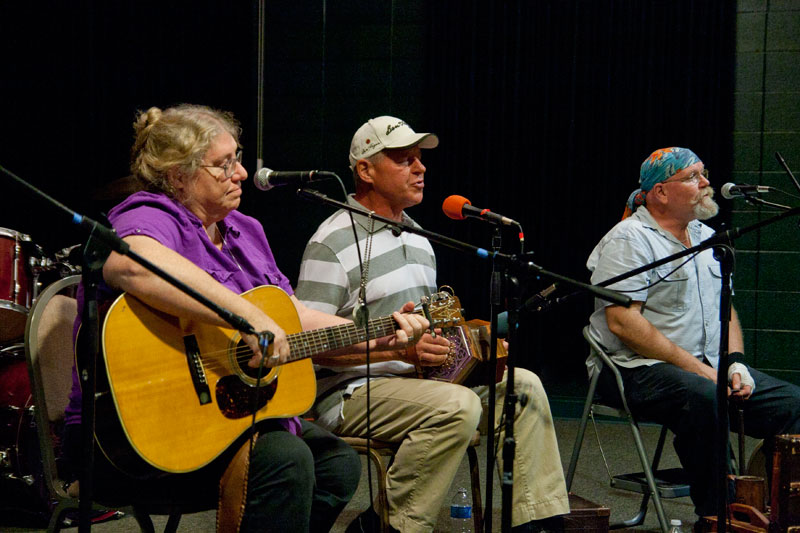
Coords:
265,179
731,190
458,208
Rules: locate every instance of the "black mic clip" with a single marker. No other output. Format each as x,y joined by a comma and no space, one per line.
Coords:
541,300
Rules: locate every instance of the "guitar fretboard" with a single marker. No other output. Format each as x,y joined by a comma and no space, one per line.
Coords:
316,341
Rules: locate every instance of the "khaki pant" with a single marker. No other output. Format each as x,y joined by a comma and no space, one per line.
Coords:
435,422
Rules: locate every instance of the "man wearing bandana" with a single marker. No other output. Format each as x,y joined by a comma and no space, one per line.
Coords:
666,344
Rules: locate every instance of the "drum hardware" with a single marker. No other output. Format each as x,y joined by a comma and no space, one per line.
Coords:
27,479
15,269
66,270
18,442
14,351
65,255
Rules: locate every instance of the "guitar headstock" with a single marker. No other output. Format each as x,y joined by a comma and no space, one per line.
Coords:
445,308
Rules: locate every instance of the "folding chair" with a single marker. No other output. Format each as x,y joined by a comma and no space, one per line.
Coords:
650,482
49,354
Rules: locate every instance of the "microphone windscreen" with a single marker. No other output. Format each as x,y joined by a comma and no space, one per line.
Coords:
726,191
453,205
261,179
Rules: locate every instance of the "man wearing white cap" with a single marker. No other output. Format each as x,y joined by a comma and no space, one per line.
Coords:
433,421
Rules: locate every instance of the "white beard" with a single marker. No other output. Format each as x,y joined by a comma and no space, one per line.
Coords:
706,207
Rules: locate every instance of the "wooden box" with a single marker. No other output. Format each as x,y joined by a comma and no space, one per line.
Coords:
586,516
745,519
785,492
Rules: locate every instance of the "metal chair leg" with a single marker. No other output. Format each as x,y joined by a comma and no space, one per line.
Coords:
576,448
648,472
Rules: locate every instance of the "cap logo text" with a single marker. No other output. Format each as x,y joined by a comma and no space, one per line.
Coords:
390,128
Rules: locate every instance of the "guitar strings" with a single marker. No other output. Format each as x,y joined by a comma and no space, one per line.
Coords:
302,344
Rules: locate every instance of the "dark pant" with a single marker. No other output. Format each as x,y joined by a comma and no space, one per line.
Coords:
294,483
686,403
299,484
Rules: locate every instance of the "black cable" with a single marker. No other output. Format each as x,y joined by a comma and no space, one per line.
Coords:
363,298
269,337
690,258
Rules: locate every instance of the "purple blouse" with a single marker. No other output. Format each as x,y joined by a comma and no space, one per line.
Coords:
245,261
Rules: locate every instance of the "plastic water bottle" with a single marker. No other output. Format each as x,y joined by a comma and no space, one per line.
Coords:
461,512
675,526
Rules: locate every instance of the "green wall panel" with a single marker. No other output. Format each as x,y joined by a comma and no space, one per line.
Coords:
777,349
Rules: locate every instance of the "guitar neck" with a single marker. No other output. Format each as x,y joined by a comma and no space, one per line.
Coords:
310,343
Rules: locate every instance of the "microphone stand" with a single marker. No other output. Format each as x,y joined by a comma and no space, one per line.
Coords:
101,242
504,287
95,254
496,294
509,263
518,264
510,406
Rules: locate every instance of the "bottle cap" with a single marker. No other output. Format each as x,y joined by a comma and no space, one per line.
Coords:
675,522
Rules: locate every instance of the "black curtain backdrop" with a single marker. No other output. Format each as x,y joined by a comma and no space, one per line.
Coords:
545,110
75,73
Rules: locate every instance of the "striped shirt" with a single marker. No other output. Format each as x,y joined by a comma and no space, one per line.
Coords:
401,268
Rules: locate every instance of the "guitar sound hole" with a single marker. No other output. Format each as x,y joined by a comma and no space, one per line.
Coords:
244,357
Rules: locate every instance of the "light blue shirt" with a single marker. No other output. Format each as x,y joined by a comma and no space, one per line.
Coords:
684,306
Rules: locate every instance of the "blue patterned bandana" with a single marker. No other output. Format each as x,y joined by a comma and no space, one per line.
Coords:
663,164
660,166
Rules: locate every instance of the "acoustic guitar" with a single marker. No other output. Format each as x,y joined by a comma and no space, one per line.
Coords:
172,394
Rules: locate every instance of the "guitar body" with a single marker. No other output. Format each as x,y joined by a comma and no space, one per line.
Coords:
176,395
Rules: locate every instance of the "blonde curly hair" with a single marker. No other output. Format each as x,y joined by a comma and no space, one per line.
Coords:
174,142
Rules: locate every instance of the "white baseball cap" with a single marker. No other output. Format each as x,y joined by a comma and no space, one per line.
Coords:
380,133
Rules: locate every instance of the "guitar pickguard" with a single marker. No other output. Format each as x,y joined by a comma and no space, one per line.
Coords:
235,399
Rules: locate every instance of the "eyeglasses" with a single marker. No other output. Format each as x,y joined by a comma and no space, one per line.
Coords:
692,178
230,165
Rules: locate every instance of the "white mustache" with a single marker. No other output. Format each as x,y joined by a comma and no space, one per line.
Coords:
708,192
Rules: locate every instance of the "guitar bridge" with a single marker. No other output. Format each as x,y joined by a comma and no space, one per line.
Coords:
196,369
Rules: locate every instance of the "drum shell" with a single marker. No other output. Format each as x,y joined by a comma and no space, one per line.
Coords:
16,283
21,474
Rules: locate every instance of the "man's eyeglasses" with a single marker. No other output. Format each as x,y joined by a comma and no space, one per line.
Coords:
230,165
692,178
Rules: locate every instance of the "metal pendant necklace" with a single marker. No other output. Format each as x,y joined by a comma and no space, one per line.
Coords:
225,245
360,313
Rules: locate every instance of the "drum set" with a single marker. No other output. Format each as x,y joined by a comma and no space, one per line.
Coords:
25,270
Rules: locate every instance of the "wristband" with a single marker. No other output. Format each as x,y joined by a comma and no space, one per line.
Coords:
736,356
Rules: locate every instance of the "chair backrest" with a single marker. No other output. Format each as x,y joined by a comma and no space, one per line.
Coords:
49,353
605,361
